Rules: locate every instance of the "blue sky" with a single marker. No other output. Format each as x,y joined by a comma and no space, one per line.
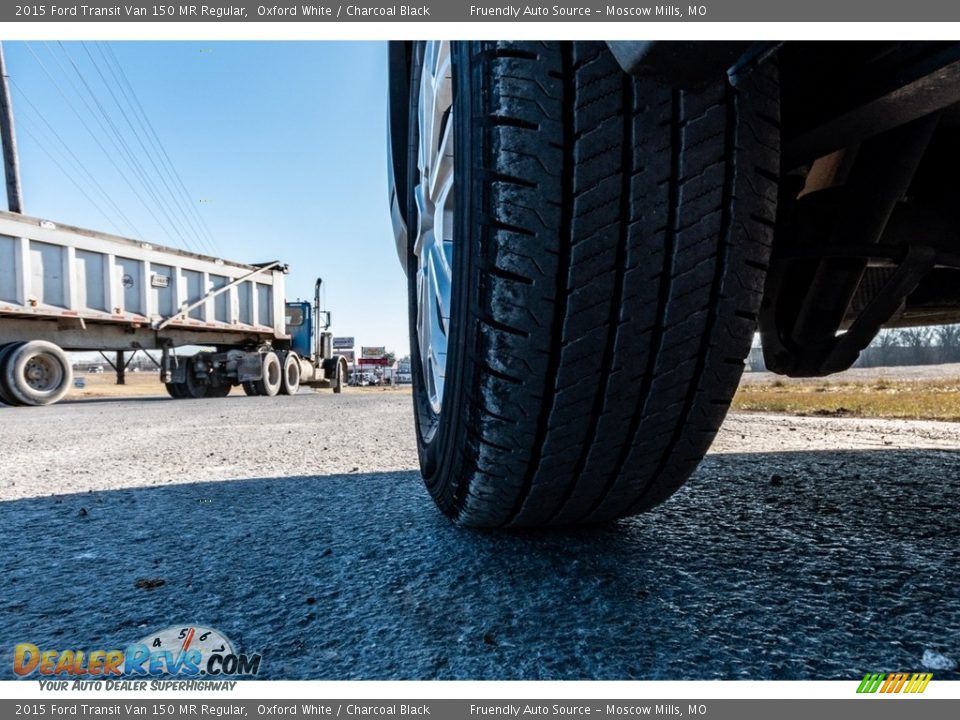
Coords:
281,146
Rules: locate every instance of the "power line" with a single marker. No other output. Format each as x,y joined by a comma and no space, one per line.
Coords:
156,139
184,217
137,172
94,135
173,216
77,161
68,175
140,114
130,157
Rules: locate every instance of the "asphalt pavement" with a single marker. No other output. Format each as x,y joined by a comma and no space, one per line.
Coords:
804,548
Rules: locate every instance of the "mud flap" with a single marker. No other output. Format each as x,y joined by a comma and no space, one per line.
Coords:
250,368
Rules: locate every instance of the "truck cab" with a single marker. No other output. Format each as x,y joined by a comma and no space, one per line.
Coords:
299,320
308,325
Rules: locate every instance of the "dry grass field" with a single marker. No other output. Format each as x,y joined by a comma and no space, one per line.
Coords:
888,394
147,384
104,385
928,393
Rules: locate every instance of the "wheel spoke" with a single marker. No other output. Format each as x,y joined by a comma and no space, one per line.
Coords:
441,169
435,199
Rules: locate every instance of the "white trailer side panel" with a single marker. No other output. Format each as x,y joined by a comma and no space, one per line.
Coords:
50,271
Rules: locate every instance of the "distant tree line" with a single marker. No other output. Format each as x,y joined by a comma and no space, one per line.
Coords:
913,346
930,345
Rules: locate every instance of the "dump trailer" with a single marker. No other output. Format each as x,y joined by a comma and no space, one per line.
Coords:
66,288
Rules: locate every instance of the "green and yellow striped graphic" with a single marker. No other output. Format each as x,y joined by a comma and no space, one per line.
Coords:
894,682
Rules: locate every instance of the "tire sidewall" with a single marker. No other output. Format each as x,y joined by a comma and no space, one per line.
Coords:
218,391
290,362
6,396
175,390
438,437
266,387
14,366
193,388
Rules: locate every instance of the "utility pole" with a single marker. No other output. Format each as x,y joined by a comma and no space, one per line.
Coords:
11,160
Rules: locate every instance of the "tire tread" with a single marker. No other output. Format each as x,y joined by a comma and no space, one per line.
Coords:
625,229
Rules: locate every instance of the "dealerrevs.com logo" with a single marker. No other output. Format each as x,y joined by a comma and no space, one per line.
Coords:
180,651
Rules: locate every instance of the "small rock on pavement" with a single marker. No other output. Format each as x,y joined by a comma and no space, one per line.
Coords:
149,583
935,661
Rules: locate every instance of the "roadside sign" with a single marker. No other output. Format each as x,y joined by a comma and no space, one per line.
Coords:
373,361
373,353
343,343
349,355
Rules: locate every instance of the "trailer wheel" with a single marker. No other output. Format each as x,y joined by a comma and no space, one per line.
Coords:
6,396
218,390
250,388
269,384
290,383
37,373
586,261
175,390
195,387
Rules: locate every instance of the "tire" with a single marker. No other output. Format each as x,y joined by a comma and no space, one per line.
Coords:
218,391
335,370
177,391
269,384
290,378
250,388
5,396
194,388
36,373
611,241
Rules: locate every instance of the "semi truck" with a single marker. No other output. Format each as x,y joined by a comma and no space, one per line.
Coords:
65,288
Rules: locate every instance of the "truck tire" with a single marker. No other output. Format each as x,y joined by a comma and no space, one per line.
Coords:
584,294
335,370
5,396
194,388
290,380
218,390
269,383
37,373
250,388
177,391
